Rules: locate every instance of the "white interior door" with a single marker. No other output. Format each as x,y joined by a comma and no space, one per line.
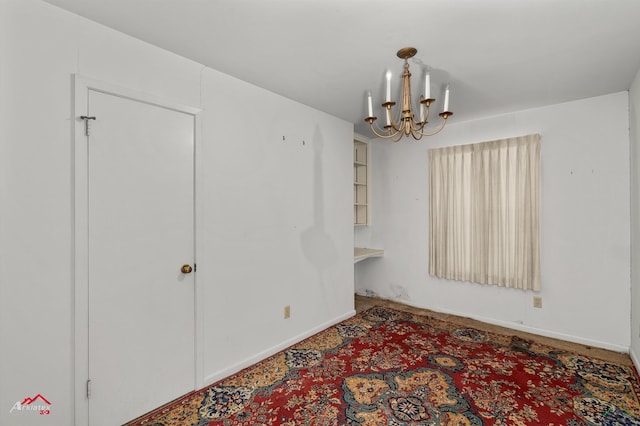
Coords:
141,331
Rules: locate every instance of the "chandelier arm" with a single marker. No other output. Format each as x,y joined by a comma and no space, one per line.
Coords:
427,105
416,135
388,106
397,123
391,122
444,121
399,135
426,116
416,126
387,136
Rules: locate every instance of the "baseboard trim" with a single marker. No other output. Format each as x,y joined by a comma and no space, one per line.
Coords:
537,331
212,378
560,336
634,359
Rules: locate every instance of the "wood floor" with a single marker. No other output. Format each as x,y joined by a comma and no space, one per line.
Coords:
363,303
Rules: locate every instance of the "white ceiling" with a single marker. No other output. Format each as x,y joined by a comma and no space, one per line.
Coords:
498,55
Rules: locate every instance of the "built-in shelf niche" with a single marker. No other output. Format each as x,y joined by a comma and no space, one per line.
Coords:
361,182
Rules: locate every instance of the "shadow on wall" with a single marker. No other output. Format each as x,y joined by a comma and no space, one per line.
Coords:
317,245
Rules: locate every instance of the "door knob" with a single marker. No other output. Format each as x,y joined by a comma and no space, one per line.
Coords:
186,269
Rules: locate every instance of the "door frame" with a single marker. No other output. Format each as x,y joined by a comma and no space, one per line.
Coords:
81,86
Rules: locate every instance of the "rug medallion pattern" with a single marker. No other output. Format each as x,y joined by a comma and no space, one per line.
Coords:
386,367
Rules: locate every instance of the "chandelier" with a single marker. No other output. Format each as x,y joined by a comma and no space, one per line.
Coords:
405,124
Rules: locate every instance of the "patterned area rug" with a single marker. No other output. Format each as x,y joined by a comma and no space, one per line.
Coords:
386,367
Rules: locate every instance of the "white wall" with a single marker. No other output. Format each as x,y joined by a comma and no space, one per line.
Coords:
275,215
634,129
278,228
585,254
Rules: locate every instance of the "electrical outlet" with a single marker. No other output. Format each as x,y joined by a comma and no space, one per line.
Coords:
537,302
287,311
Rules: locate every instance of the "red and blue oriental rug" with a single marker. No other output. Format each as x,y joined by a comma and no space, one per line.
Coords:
387,367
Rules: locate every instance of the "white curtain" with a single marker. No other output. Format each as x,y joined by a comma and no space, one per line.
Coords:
484,207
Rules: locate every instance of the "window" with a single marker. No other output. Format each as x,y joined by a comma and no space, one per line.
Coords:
484,212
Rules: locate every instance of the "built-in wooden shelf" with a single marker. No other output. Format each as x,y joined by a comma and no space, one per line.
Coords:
362,253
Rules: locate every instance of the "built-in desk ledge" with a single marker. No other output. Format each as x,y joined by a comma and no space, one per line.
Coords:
361,253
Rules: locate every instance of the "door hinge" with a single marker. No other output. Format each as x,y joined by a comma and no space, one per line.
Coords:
86,123
88,388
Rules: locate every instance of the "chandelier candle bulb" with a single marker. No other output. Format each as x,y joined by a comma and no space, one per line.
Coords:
370,104
388,75
427,86
446,99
